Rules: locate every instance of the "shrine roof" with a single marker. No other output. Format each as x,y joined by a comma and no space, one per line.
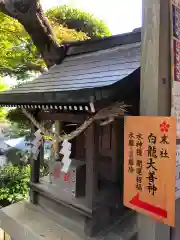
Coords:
91,71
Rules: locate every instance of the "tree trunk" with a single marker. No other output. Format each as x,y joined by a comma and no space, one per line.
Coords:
30,14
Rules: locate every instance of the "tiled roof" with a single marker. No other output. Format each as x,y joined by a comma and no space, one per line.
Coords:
92,70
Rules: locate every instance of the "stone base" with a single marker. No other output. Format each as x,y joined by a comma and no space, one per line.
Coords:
24,221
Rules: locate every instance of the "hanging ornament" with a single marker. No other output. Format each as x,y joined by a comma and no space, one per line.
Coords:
66,152
36,144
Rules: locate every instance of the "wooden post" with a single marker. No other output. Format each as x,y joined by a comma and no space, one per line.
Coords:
91,144
118,150
56,148
35,171
58,130
155,86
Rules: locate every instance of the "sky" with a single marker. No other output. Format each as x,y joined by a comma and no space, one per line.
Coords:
120,15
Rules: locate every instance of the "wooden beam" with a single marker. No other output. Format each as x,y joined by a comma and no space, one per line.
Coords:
63,117
155,86
91,145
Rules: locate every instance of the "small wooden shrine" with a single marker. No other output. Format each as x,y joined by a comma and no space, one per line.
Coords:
85,94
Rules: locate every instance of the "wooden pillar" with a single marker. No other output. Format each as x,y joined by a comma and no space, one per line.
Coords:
155,87
57,130
118,150
91,145
35,171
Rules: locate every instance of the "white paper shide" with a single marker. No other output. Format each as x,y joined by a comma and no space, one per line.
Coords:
36,143
66,152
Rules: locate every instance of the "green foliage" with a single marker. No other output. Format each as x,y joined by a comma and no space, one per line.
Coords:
16,49
20,126
64,34
3,85
3,112
80,21
19,119
13,183
18,54
17,130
